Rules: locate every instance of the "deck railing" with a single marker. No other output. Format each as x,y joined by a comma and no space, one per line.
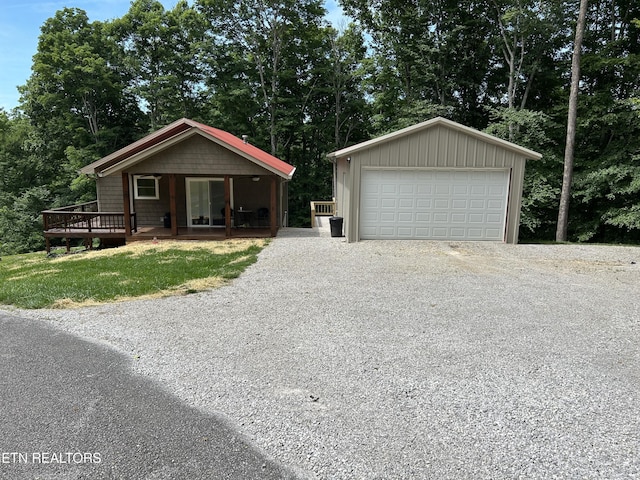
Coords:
322,209
56,221
84,219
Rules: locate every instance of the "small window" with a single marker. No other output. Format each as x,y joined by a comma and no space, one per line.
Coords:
146,187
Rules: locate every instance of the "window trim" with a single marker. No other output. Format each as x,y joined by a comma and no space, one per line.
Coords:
136,193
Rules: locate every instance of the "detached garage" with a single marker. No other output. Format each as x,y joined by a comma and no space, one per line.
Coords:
437,180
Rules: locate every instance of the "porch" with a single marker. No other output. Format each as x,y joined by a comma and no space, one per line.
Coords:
322,208
210,233
84,221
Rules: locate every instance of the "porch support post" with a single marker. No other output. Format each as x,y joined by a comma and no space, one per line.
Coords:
227,206
273,215
172,205
126,200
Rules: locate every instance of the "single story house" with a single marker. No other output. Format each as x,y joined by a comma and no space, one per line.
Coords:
435,180
186,180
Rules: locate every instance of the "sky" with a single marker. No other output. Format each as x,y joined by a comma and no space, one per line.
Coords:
20,22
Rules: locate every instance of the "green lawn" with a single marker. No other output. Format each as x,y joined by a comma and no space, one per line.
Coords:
138,270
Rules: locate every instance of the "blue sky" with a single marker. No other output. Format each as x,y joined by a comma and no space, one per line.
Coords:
20,22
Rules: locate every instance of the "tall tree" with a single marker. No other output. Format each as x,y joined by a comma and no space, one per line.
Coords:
567,177
276,37
346,76
163,55
75,97
432,58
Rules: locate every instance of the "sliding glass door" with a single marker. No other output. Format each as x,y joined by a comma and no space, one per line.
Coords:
205,202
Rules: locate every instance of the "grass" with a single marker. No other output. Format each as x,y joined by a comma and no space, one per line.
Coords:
138,270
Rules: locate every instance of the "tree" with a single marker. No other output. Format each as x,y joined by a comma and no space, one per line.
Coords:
431,58
567,177
276,38
75,95
163,57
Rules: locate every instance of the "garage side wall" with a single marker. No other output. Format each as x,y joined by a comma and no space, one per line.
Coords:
343,192
438,147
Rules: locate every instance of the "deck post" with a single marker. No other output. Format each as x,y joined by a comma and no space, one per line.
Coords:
227,206
172,205
126,203
273,218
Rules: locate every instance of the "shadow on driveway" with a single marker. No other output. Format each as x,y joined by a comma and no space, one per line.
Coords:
73,409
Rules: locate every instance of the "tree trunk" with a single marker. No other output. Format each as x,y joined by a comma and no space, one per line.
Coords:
567,177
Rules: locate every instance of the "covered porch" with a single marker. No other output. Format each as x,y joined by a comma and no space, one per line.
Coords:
84,221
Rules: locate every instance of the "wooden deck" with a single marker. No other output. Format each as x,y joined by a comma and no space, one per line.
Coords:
85,222
217,233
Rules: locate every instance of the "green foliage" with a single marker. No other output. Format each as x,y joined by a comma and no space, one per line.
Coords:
21,221
543,178
274,70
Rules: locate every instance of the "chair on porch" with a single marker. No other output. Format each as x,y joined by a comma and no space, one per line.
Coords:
263,217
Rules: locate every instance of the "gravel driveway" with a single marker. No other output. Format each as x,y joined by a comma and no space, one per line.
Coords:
407,359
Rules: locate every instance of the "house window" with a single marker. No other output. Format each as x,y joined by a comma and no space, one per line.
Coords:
146,187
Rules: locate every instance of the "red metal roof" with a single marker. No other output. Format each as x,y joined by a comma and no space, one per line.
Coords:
181,126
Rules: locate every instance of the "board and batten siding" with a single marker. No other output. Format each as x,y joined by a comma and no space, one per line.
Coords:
439,147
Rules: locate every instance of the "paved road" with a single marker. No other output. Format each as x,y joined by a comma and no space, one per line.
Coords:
70,409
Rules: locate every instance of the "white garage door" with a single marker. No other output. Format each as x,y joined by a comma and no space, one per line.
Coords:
434,204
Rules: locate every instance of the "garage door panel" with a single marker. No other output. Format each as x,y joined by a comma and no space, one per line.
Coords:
496,190
406,217
387,188
458,233
440,233
440,217
405,232
478,190
435,204
495,204
406,203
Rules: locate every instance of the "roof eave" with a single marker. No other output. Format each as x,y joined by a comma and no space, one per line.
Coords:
155,148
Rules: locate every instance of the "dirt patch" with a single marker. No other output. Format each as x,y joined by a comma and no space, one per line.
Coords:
140,248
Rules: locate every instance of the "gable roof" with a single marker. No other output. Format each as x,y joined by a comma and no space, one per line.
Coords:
177,132
438,121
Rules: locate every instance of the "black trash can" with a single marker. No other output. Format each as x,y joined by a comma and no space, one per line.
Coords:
167,220
336,226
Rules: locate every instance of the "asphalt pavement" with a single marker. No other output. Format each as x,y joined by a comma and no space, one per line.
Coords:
71,409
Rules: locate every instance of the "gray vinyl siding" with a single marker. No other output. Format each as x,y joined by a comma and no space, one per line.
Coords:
252,195
197,156
109,191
